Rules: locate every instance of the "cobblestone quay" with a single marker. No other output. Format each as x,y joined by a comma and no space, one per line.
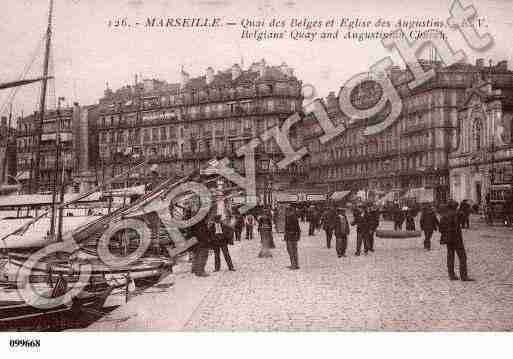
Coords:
398,287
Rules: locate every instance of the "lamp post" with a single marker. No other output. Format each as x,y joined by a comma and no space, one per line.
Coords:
63,184
57,160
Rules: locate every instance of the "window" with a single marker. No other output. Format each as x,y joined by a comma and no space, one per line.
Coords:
476,135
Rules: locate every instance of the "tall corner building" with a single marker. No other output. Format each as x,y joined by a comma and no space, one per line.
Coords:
179,127
417,153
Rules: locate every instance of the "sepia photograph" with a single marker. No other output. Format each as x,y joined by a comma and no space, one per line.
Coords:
266,166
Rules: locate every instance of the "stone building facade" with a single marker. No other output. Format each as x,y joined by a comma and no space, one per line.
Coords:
26,139
180,127
410,156
483,155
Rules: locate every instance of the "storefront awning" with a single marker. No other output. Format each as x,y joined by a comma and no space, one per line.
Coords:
285,197
127,191
23,176
315,197
389,197
338,196
40,200
421,194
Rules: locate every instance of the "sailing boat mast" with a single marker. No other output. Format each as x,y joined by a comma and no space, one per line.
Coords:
7,139
42,103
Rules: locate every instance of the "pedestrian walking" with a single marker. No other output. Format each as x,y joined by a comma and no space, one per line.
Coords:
341,230
452,237
465,211
292,235
201,232
428,224
373,225
265,228
362,230
223,236
410,219
329,221
238,224
249,222
313,219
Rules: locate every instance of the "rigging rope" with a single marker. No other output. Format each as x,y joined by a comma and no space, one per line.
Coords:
24,73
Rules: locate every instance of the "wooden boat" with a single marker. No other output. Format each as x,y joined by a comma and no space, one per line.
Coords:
17,314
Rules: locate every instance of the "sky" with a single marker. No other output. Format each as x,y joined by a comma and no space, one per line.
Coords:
87,53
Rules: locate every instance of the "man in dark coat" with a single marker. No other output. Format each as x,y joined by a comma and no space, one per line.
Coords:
238,224
373,225
428,223
292,235
398,217
200,252
329,221
313,219
450,230
465,210
362,230
223,236
410,219
341,232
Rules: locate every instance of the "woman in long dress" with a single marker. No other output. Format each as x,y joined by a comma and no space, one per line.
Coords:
265,228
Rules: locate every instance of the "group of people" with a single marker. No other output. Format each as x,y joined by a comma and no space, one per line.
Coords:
211,235
216,235
403,215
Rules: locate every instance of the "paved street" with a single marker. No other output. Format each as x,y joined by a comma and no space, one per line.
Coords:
399,287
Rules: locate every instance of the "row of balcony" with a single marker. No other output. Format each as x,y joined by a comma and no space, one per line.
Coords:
214,115
379,174
68,165
245,133
212,98
188,155
358,158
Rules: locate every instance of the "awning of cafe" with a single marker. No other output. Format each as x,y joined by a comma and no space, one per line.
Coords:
127,191
315,197
40,200
285,197
421,194
340,195
388,197
23,175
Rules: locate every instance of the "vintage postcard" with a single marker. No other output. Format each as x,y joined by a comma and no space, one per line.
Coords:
264,166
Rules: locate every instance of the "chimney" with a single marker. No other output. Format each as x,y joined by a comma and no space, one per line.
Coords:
149,85
502,65
236,72
490,62
136,80
184,78
210,75
480,63
283,68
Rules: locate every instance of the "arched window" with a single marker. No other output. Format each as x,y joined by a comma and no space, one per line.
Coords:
477,134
